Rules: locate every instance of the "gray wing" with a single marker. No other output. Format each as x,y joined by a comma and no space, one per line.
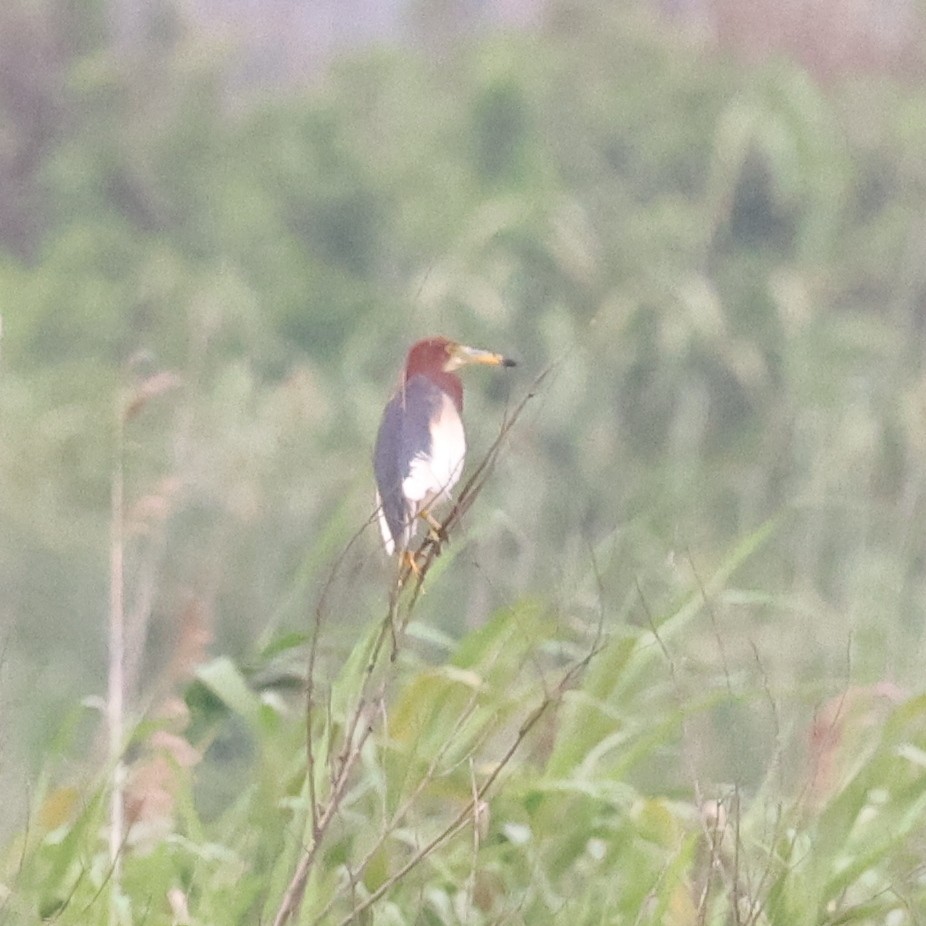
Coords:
404,433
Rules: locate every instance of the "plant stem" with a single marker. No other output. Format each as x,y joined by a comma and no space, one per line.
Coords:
115,706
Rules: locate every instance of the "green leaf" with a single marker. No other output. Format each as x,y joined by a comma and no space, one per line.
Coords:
223,678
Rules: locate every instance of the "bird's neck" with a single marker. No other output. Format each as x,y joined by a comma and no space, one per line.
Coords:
448,382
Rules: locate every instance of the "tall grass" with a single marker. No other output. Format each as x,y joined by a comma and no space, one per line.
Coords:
617,696
537,768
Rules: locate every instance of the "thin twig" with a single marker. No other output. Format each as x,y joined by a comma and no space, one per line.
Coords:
311,664
463,816
716,862
342,766
392,625
114,868
715,627
477,810
115,694
292,898
756,891
356,872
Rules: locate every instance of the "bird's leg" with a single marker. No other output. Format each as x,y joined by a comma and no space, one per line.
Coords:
408,564
437,532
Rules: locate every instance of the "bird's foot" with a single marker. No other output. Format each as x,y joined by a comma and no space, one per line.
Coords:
437,533
408,565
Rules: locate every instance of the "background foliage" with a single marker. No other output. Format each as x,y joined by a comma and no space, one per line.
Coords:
724,262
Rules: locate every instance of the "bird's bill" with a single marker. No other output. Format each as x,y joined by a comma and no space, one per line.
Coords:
461,356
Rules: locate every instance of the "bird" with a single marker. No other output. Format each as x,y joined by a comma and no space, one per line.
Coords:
420,446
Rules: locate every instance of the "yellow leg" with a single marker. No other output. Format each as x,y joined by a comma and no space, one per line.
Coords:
408,560
438,534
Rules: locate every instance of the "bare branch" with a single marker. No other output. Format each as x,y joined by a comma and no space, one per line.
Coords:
115,695
462,818
391,627
292,898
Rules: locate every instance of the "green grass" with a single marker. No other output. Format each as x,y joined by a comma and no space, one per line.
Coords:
537,769
679,641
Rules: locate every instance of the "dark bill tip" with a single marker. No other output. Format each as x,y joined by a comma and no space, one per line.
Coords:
508,362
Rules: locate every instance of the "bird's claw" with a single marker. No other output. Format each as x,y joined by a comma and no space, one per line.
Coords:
408,565
438,536
437,533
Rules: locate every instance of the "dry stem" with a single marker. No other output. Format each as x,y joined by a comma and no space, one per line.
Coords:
115,707
322,812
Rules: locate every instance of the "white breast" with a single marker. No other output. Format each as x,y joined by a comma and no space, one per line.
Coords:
432,476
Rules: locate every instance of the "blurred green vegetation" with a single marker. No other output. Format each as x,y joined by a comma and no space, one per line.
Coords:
525,772
725,265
